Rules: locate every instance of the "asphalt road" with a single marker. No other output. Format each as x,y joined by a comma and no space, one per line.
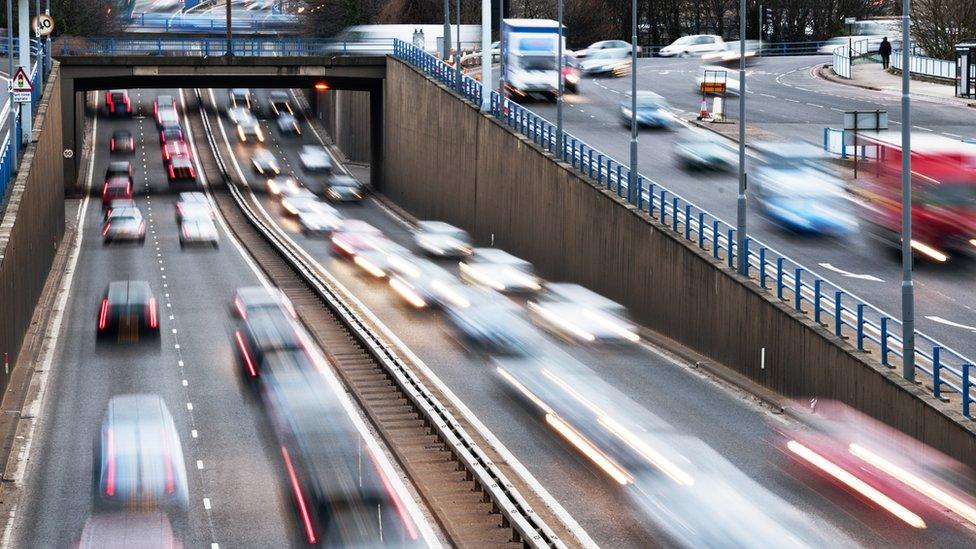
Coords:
787,102
238,495
729,421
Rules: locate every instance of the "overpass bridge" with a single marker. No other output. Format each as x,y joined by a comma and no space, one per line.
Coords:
778,333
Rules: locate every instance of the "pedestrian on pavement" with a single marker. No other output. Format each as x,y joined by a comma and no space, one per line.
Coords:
885,50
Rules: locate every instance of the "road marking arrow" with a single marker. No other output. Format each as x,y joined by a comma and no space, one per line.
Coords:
868,277
941,320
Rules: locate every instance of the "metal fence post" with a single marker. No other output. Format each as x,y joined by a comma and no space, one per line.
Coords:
620,182
674,214
816,300
936,373
640,192
884,340
798,288
762,267
730,240
589,162
599,169
965,389
650,199
838,313
745,252
860,326
701,230
687,221
779,277
714,238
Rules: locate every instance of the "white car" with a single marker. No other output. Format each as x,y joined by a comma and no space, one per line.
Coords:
319,222
499,271
301,201
315,159
439,239
282,185
577,314
423,283
695,44
265,163
248,127
198,228
288,124
617,46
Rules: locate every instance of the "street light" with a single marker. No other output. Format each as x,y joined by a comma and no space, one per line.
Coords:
907,289
230,48
740,218
559,86
632,190
446,42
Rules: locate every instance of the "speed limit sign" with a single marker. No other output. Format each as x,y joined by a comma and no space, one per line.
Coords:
43,25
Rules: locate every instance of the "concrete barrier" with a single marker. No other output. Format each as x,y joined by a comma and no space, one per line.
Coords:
445,160
33,223
345,115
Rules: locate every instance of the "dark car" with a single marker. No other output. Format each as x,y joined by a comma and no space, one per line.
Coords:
119,168
239,97
117,103
652,111
163,101
128,310
122,142
343,188
267,333
256,299
279,102
170,133
116,188
572,74
124,224
174,149
138,459
181,170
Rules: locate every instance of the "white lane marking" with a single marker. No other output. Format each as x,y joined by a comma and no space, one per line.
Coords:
835,109
199,464
921,128
815,105
496,444
189,406
951,134
790,100
193,433
206,503
185,383
767,95
849,274
941,320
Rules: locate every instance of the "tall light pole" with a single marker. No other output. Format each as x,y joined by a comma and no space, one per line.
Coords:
559,86
485,55
632,189
23,28
446,42
501,52
14,142
230,35
907,289
457,49
740,218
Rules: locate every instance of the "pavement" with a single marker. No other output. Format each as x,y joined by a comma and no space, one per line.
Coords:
872,76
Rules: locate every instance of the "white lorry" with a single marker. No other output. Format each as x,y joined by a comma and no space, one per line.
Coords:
531,49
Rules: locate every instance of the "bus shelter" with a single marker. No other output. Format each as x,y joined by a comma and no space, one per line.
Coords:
966,68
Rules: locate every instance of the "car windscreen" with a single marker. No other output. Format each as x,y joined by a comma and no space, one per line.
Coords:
537,62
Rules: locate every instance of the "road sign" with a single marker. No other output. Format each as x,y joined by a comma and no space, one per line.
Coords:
21,86
43,25
68,153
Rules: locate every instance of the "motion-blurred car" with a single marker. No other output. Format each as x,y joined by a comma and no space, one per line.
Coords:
652,111
606,62
167,116
353,236
376,258
795,190
265,163
197,227
170,133
138,458
257,299
190,203
116,188
128,310
112,529
118,203
616,46
174,149
314,159
181,170
319,222
122,142
344,188
572,74
117,103
300,201
124,224
164,102
500,271
489,320
424,284
282,185
248,127
119,168
264,334
288,124
239,97
700,150
695,44
279,102
579,315
439,239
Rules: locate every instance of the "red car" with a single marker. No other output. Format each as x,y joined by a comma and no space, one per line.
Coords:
114,189
174,149
355,236
181,170
170,133
117,103
122,142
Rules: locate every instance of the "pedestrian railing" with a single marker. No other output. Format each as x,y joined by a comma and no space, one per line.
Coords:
207,46
835,309
925,66
160,22
843,57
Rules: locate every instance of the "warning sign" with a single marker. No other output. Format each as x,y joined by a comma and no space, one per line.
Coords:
21,86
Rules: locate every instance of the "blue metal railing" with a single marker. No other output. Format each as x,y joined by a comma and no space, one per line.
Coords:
926,66
205,46
8,162
843,313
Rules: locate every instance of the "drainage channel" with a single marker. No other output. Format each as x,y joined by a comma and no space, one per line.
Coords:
470,497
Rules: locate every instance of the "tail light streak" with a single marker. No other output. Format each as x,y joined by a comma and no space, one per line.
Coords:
110,474
167,462
103,314
153,321
245,354
299,497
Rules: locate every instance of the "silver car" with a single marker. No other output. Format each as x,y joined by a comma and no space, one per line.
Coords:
439,239
197,227
314,159
500,271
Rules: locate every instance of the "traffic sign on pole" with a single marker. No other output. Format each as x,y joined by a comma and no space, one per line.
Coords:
21,87
43,25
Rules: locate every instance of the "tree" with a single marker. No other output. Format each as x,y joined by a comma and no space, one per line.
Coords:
938,25
89,18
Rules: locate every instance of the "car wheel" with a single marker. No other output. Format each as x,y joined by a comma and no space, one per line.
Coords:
684,54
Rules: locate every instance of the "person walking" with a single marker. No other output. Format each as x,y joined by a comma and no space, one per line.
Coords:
885,50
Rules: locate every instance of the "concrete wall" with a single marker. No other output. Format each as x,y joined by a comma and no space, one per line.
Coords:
32,224
445,160
345,115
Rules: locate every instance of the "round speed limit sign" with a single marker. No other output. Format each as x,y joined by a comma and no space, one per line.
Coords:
68,153
43,25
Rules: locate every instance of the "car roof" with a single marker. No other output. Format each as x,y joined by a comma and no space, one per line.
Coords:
118,181
344,181
279,93
564,291
496,255
271,330
125,211
122,132
359,226
193,196
181,161
129,291
119,166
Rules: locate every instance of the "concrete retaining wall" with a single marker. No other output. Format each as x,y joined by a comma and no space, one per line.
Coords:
33,223
444,160
345,115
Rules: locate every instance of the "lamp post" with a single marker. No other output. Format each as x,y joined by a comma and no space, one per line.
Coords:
485,55
559,85
632,190
740,218
446,42
14,141
230,47
907,288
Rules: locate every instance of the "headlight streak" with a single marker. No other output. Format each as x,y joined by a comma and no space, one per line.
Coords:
929,251
616,327
407,293
480,277
656,459
368,266
856,484
561,322
591,452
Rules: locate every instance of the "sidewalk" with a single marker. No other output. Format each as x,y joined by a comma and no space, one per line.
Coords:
872,77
